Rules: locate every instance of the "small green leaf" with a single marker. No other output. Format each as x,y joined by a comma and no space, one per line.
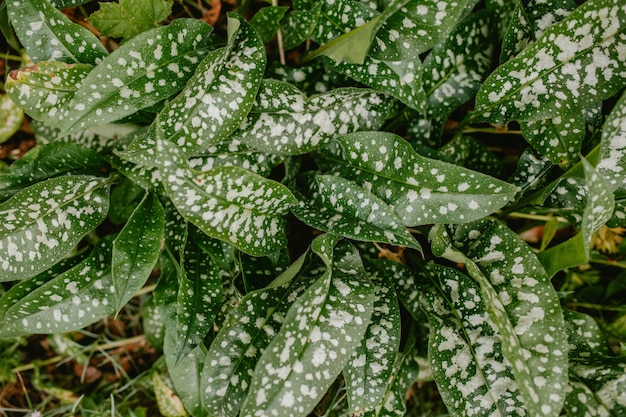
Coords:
421,190
47,161
90,139
11,117
130,17
267,21
64,4
334,204
43,222
532,172
228,203
284,122
70,301
559,139
168,402
48,35
569,68
297,27
125,197
470,153
612,164
186,376
136,249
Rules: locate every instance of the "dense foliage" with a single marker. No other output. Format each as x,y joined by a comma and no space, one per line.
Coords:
321,195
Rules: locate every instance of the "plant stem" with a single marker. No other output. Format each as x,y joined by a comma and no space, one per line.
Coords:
492,130
279,40
538,217
11,57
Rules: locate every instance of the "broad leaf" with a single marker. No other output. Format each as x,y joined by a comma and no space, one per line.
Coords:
70,301
612,164
48,35
559,139
228,203
420,190
99,143
11,117
136,249
319,335
521,302
141,72
43,222
465,349
47,161
284,122
130,17
571,67
334,204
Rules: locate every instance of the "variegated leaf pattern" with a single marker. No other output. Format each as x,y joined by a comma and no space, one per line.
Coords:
612,164
559,139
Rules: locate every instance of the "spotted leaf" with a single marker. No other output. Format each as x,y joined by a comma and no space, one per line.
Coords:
168,402
532,172
70,301
267,21
522,304
468,152
64,4
284,122
576,62
45,90
465,348
319,334
43,222
370,368
47,161
11,117
227,203
186,376
136,249
129,17
297,27
334,204
147,69
612,164
48,35
420,190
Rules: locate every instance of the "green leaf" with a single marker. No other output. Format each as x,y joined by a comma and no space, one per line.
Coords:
125,197
43,222
420,190
297,27
520,301
370,368
227,203
99,142
64,4
612,164
169,404
48,35
267,21
465,349
48,161
334,204
11,117
598,209
45,90
319,335
470,153
532,172
143,71
569,68
136,249
559,139
130,17
284,122
70,301
455,68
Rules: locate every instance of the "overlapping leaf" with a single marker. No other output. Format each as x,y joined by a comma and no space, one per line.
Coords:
228,203
531,173
521,302
48,35
43,222
420,190
573,65
11,117
612,164
284,122
468,152
559,139
130,17
267,21
302,360
334,204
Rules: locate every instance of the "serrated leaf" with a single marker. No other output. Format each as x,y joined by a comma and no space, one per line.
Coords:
420,190
267,21
520,301
11,117
143,71
370,368
136,249
334,204
465,349
70,301
455,68
612,164
319,334
573,65
43,222
47,161
227,203
48,35
45,90
598,209
130,17
559,139
284,122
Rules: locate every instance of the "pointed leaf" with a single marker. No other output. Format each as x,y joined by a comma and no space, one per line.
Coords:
267,21
421,190
228,203
573,65
334,204
43,222
136,249
48,35
283,121
130,17
612,165
297,27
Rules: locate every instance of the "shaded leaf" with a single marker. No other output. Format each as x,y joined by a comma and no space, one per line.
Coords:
11,117
470,153
267,21
559,139
531,173
297,27
612,164
130,17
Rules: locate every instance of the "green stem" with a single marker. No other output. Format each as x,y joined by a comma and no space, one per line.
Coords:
492,130
593,306
538,217
279,40
10,57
